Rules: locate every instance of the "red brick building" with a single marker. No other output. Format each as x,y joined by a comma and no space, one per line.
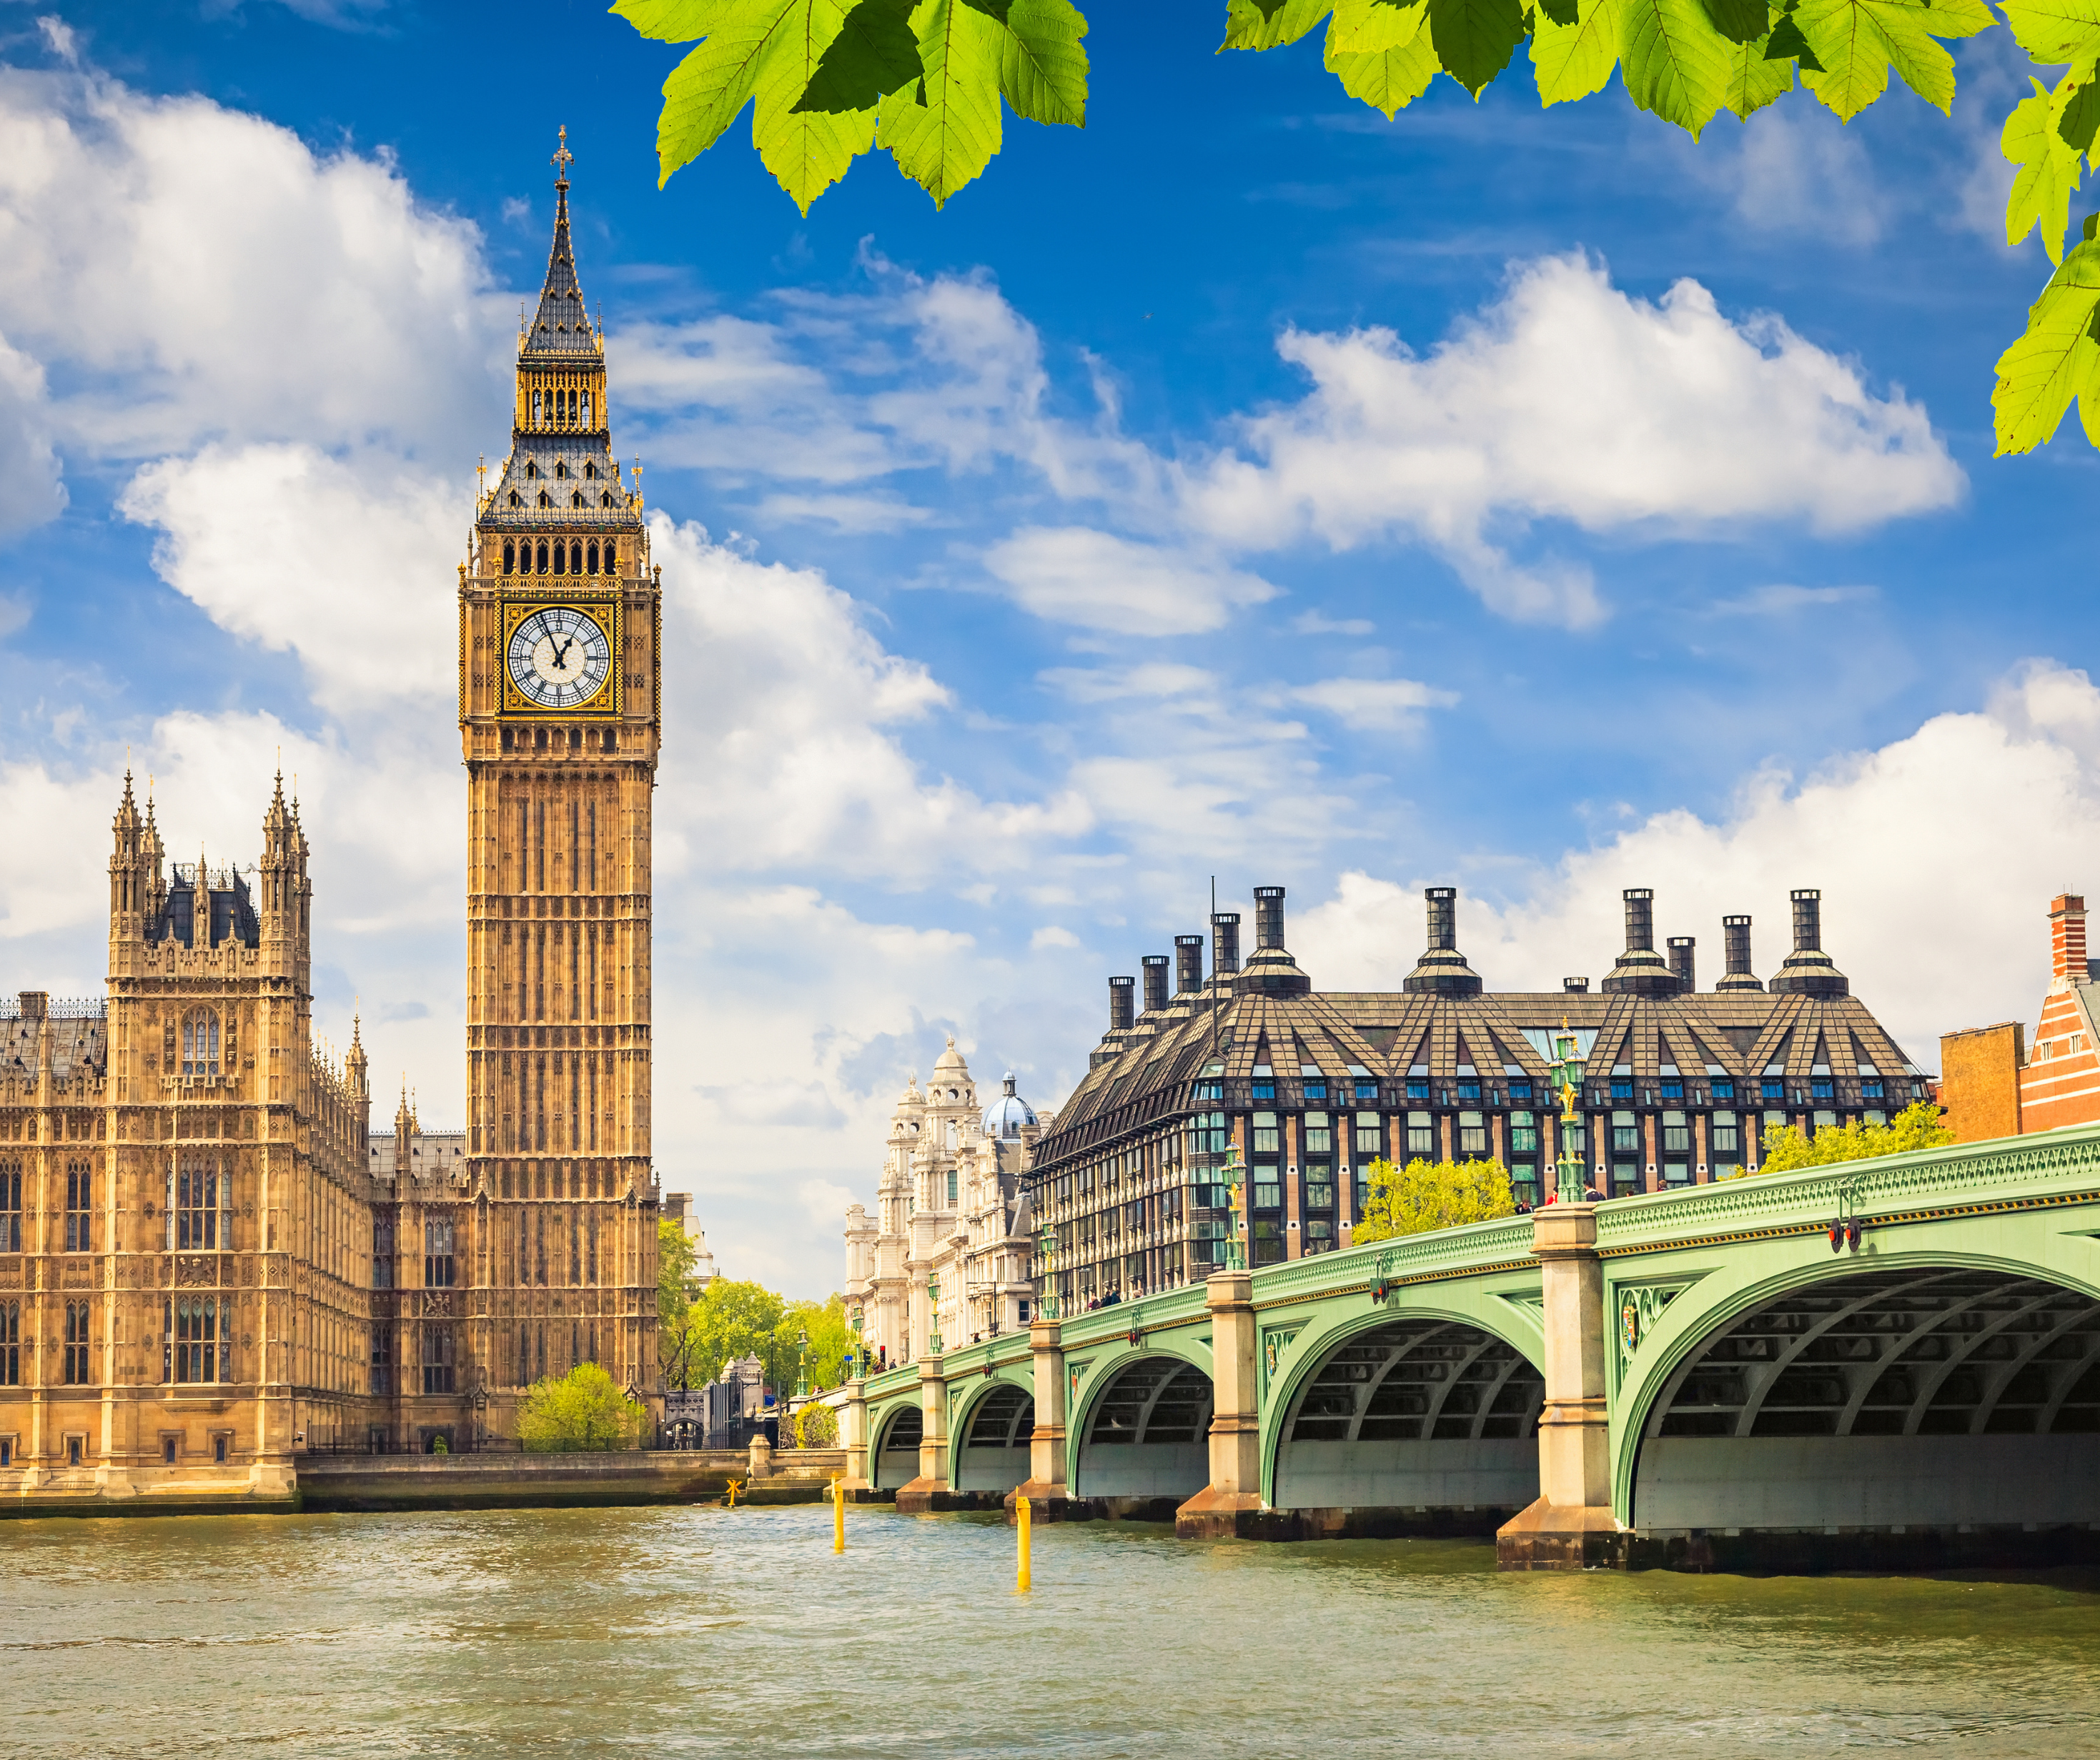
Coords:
1994,1083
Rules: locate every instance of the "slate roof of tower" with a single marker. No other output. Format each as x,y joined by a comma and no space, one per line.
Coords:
561,329
572,471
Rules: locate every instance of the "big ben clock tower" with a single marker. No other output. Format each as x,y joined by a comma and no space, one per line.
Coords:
560,619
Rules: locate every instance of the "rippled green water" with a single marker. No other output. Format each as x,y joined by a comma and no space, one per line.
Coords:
705,1631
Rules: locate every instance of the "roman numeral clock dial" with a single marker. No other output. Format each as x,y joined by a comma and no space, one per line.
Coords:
559,658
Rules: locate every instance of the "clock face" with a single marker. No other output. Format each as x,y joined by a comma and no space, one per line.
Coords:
559,658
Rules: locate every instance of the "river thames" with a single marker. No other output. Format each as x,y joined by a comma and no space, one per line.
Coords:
702,1630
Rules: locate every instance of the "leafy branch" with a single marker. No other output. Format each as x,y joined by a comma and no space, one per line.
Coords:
929,82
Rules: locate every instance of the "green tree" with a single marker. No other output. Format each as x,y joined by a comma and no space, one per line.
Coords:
1432,1194
733,1319
676,1343
830,1336
929,80
583,1410
816,1426
1788,1146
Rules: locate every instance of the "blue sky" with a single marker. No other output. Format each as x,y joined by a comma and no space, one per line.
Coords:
1542,504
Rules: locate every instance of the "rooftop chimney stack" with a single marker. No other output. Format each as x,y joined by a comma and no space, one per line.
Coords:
1155,981
1188,964
1122,1017
1808,971
1640,971
2066,939
1270,970
1442,969
1735,942
1267,917
1681,962
1576,986
1224,943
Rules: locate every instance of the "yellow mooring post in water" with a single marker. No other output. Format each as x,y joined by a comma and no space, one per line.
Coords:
1020,1534
838,1513
735,1485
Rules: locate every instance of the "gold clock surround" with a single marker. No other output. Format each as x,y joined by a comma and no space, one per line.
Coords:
608,705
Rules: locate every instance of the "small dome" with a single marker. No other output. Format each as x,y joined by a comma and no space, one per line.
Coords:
949,1059
1004,1118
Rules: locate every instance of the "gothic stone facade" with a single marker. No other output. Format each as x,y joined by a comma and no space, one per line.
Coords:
208,1260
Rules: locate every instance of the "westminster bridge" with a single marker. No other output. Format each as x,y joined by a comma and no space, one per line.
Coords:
1889,1362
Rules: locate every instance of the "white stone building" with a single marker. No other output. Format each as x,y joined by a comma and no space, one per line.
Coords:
949,1215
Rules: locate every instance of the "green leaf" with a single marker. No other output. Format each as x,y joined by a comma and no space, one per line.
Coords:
1674,63
2041,195
1391,79
2054,31
2077,106
706,89
1740,21
1269,25
1857,42
1042,69
1757,77
807,149
1572,61
2055,360
676,20
1559,11
1370,27
1474,39
1787,43
874,54
944,133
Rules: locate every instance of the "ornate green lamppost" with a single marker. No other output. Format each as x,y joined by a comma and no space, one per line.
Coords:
1046,1305
802,1364
932,1314
1566,1075
1235,1176
856,1357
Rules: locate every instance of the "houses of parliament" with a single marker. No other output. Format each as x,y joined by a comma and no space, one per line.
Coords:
209,1262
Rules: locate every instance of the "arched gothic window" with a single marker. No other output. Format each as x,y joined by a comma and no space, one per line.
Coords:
611,555
561,467
592,559
516,499
590,471
576,559
545,499
509,553
535,409
577,498
586,406
543,555
561,556
531,468
201,1042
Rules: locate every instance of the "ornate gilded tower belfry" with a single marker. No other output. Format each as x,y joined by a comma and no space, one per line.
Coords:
560,619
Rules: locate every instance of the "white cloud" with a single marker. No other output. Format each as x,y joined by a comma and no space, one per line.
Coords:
1072,575
1373,705
789,751
1050,935
1796,168
1319,623
344,562
1781,600
30,490
1932,937
324,304
1570,400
